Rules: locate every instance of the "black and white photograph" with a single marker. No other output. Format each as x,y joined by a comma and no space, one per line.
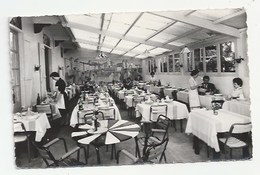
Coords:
134,88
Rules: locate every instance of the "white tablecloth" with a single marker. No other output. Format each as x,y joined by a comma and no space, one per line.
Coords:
205,125
74,116
183,96
128,101
157,89
175,111
168,92
205,101
240,107
38,122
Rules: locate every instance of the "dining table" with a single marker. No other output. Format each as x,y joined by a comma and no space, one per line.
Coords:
238,106
90,106
168,91
109,132
34,121
175,110
205,126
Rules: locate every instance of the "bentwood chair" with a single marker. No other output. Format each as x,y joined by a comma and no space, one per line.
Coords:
21,135
152,153
109,113
239,136
85,116
65,159
136,100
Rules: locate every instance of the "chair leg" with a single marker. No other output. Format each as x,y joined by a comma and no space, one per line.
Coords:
137,151
208,151
112,151
230,153
29,151
181,125
78,155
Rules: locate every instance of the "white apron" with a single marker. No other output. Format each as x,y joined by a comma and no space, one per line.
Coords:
60,101
194,100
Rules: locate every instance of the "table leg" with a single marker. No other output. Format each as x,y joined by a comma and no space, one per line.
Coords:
98,155
196,145
216,155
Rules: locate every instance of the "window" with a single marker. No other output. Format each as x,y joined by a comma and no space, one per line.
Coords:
198,59
177,62
227,55
211,58
163,64
15,71
170,60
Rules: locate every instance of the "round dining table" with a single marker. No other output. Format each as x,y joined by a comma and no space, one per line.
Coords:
109,132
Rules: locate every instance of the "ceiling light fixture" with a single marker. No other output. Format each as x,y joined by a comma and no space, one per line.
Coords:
185,50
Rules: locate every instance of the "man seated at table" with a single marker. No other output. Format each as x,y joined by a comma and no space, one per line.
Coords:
207,87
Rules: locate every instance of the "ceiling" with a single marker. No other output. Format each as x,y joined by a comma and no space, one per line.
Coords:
146,34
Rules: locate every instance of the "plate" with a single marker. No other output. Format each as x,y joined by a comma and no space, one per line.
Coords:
149,102
168,101
218,95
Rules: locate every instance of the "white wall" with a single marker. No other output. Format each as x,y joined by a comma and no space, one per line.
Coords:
222,81
31,52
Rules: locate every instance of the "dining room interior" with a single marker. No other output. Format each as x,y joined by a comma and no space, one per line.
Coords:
151,87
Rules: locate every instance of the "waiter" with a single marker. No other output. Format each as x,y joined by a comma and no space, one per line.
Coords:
60,96
194,100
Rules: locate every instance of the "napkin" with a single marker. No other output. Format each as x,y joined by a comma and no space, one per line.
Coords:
148,92
167,97
162,100
149,99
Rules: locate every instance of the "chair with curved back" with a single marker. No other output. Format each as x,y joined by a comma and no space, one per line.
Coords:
152,153
109,113
63,160
21,135
85,116
239,136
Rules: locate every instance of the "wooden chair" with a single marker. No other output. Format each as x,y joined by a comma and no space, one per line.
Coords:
85,116
65,159
239,136
21,135
151,153
48,110
136,100
109,113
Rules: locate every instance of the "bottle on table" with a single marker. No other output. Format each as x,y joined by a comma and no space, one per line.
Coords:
38,100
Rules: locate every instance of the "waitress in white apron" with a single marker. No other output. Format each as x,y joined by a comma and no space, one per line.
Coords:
61,97
194,100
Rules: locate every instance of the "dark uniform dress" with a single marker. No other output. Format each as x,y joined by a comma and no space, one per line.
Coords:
61,88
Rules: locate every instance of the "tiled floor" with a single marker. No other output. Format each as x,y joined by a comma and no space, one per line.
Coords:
179,149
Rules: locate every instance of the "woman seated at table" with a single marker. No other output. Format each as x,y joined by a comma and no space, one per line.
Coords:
207,87
238,91
128,83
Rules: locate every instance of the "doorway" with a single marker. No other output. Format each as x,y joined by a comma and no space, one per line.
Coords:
47,67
